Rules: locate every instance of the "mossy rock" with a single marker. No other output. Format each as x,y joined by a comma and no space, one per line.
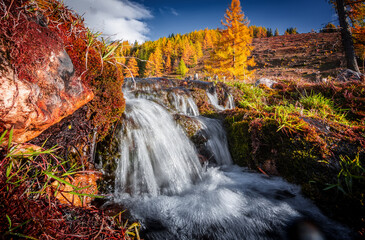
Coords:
255,142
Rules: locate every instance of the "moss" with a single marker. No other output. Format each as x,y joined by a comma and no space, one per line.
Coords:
190,125
239,142
309,158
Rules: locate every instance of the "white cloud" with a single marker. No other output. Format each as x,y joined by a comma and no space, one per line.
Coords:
119,19
168,10
173,11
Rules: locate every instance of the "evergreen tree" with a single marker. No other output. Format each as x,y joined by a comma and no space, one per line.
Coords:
208,42
290,31
168,64
150,66
230,57
269,32
276,32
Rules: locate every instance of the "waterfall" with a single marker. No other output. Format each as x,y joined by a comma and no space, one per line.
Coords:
217,140
213,98
156,156
185,104
160,180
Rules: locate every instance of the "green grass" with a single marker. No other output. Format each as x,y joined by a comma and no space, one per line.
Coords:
316,105
253,97
352,172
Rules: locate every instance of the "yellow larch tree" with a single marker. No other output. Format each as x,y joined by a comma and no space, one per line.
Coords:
132,68
208,42
150,66
168,65
158,61
230,57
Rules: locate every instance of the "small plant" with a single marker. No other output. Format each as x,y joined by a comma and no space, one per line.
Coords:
253,97
286,120
318,103
352,171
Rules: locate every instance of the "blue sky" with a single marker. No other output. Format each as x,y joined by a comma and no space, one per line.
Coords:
151,19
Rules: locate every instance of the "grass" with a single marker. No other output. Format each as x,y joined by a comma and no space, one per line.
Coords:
28,200
320,106
252,98
352,172
288,109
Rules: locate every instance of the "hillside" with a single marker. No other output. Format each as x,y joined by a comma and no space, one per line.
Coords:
310,56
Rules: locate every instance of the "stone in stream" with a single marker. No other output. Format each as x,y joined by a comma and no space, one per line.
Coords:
265,81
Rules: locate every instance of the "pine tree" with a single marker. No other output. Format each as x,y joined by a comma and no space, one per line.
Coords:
132,68
276,32
230,57
269,32
182,69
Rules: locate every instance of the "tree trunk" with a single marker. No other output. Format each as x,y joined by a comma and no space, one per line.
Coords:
347,41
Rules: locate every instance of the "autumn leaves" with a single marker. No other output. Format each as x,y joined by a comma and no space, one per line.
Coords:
230,57
222,52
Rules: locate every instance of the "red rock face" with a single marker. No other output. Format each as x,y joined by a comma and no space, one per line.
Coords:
32,107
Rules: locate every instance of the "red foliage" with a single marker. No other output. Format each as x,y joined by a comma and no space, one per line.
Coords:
33,29
29,44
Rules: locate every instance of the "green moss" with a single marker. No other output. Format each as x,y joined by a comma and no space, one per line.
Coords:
239,141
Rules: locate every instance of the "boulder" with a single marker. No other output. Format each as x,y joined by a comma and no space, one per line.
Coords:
265,81
32,107
348,75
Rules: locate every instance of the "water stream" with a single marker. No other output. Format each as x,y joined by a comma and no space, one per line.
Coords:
162,182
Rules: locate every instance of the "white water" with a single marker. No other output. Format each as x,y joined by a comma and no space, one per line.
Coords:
213,98
185,104
217,140
160,180
229,203
156,156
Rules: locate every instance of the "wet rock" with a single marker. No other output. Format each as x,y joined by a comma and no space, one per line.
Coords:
190,125
196,76
265,81
32,107
348,75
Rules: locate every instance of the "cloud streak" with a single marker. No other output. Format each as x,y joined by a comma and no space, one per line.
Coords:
119,19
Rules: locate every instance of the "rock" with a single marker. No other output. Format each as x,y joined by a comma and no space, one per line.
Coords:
349,75
265,81
85,181
32,107
191,125
196,76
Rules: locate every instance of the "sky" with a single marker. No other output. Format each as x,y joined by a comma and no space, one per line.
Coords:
142,20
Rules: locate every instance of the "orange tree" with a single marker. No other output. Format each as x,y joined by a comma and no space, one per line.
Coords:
230,56
132,68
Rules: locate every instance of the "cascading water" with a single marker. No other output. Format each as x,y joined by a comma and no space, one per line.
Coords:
213,98
156,156
216,140
185,104
160,180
